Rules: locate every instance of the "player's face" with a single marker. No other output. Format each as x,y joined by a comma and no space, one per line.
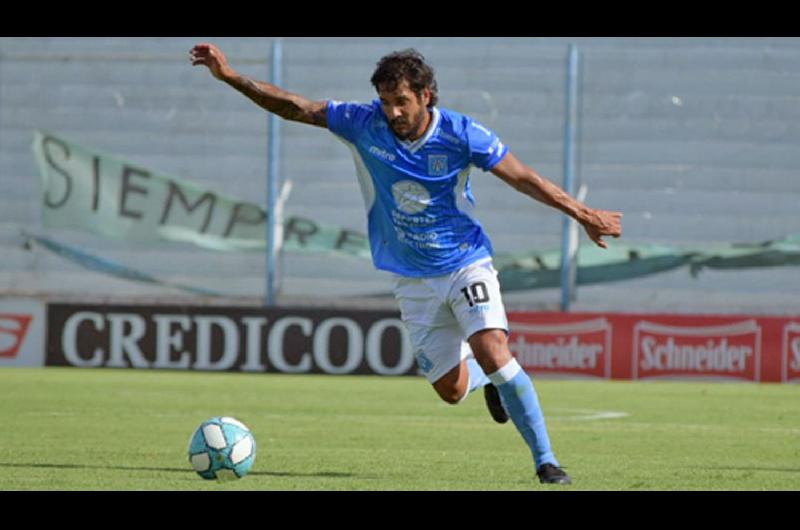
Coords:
406,111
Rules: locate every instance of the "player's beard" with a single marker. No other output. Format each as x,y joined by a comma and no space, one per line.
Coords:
413,129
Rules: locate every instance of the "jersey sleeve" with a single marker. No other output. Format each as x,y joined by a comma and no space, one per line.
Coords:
345,119
485,148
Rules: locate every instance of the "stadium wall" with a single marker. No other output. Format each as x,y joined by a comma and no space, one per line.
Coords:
694,139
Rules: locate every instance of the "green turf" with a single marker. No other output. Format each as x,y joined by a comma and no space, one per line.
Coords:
104,429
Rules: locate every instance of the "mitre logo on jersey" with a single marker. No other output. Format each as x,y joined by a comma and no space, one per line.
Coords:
575,348
411,197
13,329
790,359
728,351
437,165
382,153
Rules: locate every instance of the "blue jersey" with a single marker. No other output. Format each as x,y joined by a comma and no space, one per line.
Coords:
417,193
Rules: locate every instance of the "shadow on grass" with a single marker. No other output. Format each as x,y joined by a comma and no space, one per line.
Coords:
322,474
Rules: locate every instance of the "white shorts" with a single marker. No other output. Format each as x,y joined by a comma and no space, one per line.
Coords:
441,312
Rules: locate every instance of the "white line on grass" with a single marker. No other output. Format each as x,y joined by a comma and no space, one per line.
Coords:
588,414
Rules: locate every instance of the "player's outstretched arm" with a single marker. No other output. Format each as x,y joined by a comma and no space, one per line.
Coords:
597,223
285,104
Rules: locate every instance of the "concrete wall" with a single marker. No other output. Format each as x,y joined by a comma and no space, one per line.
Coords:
694,139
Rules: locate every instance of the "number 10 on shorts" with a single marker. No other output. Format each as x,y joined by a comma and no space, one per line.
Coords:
477,293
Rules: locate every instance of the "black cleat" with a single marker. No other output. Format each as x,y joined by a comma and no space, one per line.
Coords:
550,474
493,403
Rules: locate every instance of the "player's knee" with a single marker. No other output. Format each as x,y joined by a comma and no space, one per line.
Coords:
451,396
489,339
454,385
490,347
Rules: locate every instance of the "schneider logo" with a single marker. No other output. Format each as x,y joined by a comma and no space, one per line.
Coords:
711,355
720,351
578,348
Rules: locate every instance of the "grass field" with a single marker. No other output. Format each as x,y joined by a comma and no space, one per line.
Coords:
104,429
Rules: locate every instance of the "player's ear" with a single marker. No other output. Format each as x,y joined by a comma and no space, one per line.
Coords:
426,97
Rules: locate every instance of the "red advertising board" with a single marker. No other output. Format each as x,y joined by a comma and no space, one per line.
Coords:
571,347
790,360
657,346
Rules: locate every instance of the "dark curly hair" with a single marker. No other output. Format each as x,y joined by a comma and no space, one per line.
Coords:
410,65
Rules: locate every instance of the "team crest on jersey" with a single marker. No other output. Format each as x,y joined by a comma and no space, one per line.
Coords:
437,165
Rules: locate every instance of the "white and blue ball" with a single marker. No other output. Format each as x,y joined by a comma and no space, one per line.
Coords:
222,448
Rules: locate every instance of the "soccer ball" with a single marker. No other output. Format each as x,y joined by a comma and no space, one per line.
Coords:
222,448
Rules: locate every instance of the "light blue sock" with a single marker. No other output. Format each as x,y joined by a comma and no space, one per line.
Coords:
477,378
520,400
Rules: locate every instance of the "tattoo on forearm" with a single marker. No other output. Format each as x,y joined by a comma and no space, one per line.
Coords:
263,96
278,101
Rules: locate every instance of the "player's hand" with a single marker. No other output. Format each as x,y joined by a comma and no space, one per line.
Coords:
209,55
601,223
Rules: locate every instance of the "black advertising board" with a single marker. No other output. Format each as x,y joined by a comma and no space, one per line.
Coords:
324,341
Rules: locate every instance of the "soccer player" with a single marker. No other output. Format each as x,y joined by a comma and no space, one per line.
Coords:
413,161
